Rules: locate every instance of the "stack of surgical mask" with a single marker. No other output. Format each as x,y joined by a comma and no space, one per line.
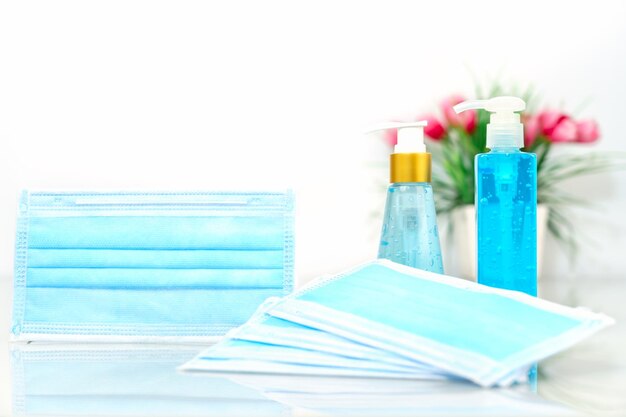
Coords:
137,266
387,320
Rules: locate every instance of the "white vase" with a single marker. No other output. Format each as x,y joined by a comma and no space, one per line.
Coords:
458,240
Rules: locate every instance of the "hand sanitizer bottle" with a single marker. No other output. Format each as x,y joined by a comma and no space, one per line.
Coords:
410,235
506,199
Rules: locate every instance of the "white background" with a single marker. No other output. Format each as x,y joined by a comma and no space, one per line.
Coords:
200,95
230,95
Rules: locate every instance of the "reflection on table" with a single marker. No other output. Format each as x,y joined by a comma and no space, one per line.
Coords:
132,380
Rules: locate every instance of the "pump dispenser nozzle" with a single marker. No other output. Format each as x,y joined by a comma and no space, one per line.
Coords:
409,161
410,135
504,128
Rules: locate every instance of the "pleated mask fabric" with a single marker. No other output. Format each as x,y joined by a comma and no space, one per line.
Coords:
148,266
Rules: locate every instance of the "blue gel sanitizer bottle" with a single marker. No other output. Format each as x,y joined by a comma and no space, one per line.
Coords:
506,200
409,234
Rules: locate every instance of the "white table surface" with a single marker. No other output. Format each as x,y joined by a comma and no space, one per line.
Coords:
587,379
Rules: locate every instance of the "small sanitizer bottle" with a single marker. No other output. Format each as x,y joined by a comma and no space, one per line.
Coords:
410,235
506,199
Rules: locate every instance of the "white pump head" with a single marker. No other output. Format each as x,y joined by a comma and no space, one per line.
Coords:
504,129
410,136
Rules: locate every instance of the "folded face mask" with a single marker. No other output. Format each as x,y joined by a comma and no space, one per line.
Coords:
317,354
484,334
139,266
267,344
244,350
274,331
300,345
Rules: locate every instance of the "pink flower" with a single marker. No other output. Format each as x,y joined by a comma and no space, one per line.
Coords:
564,131
549,119
532,128
434,130
470,120
391,137
465,120
587,131
557,126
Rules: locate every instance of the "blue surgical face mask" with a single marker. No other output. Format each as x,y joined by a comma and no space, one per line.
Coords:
274,331
242,350
267,344
484,334
300,345
441,326
140,266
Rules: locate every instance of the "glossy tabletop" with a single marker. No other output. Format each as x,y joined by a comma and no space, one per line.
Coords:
141,380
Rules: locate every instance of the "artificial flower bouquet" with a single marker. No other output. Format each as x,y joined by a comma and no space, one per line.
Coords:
457,138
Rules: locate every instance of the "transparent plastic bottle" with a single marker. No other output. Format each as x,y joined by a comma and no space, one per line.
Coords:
409,233
506,200
506,219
